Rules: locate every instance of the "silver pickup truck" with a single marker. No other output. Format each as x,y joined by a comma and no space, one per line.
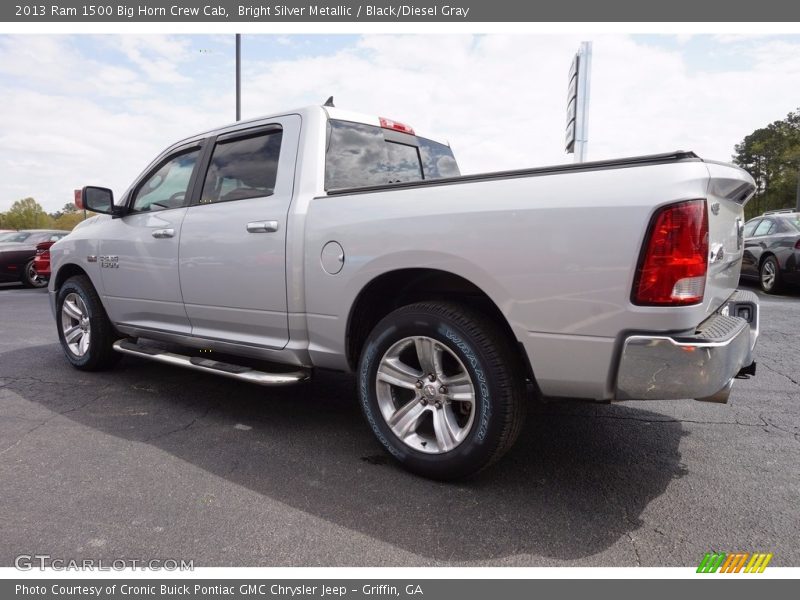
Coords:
324,239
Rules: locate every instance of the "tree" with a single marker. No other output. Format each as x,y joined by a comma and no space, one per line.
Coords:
68,209
772,156
69,220
26,214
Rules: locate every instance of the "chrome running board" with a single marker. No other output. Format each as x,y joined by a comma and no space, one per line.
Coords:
208,365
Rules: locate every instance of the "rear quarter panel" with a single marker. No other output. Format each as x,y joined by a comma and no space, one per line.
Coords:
556,253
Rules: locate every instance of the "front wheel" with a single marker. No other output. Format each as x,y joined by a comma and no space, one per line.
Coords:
442,389
84,329
770,275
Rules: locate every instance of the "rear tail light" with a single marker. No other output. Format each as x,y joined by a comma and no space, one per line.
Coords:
674,261
401,127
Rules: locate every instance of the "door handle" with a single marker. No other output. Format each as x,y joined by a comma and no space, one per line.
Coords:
262,226
163,233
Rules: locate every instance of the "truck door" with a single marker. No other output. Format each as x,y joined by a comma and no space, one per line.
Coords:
139,252
233,240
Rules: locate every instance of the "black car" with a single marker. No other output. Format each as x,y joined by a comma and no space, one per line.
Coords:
772,250
17,250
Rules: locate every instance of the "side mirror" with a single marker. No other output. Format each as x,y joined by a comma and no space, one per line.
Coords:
96,199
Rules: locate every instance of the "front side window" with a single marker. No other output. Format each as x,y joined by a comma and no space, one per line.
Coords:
360,155
168,187
243,168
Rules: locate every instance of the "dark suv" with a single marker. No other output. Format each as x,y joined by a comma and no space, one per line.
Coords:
772,250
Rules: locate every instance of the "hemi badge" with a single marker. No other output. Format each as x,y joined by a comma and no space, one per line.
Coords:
91,258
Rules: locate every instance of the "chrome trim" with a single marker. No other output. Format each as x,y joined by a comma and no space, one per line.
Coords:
675,366
179,360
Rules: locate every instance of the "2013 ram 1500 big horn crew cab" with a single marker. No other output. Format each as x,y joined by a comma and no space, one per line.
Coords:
319,238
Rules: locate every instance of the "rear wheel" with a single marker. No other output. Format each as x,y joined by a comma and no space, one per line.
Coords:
84,329
770,276
442,389
30,278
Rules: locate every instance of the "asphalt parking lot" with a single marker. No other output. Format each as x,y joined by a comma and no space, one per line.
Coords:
149,462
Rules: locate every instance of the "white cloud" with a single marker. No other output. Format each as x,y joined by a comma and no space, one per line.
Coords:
71,117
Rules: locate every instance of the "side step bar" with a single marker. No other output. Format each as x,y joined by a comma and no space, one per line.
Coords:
207,365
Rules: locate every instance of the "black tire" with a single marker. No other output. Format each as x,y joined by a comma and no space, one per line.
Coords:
102,335
29,277
485,353
773,284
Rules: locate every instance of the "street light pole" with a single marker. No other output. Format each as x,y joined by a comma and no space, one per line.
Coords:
238,77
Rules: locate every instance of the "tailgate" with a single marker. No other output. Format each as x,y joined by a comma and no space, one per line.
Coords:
729,189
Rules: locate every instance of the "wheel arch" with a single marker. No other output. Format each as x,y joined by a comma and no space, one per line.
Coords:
396,288
764,256
66,271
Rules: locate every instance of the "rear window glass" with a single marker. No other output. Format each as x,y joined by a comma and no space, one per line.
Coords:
792,224
359,155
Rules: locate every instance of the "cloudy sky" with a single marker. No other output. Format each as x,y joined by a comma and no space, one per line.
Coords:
79,109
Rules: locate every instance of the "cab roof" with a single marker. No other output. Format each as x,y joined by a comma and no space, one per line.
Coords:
330,111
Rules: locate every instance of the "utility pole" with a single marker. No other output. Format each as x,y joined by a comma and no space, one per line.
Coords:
238,76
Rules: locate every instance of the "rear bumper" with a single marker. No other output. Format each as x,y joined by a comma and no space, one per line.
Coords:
701,364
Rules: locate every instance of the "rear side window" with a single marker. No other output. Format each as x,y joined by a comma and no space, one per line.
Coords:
359,155
243,168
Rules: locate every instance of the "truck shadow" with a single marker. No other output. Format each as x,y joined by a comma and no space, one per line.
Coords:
576,482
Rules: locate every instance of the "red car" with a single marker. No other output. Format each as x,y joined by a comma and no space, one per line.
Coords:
41,262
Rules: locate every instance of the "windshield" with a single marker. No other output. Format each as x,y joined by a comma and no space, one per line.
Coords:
360,155
14,236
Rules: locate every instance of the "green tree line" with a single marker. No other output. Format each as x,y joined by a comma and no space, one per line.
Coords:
772,156
29,214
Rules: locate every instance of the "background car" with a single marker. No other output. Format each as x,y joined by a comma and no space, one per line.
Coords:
772,250
17,252
41,261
